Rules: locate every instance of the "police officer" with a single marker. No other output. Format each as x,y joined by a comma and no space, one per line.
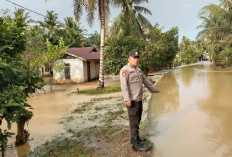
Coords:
132,80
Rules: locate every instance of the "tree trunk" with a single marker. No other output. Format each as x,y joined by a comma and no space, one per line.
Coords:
50,77
20,138
22,134
102,45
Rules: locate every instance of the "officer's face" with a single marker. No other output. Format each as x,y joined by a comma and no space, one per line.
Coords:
133,61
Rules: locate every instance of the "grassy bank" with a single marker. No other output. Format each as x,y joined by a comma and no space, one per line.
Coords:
105,90
99,127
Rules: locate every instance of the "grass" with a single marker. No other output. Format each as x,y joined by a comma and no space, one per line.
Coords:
65,146
93,118
98,108
84,107
101,99
113,115
105,90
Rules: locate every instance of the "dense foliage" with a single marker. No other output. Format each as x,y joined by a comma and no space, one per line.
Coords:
157,50
117,49
217,31
190,51
17,80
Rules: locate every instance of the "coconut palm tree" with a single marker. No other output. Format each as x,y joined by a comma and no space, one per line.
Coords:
51,25
217,21
102,6
72,33
131,17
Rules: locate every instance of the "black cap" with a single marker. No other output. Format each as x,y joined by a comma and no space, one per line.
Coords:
134,53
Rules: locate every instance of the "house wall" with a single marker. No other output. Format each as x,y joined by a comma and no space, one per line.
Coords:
94,70
76,72
85,71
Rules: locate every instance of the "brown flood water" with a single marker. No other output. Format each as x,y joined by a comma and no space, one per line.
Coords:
192,116
49,110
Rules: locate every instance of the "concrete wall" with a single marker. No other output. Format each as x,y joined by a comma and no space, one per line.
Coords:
76,72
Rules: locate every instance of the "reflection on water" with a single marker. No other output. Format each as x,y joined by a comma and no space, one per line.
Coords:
192,115
23,150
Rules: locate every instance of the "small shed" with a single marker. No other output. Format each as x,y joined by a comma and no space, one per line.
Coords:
81,65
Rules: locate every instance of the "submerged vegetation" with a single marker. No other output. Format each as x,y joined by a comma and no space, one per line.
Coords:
95,128
105,90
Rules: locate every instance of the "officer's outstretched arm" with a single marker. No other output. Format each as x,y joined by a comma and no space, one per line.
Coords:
148,84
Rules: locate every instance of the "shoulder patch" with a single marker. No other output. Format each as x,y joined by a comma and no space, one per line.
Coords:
123,73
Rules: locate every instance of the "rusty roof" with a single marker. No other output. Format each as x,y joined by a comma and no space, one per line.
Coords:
85,52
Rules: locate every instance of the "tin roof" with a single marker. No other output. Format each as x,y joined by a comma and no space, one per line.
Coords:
85,53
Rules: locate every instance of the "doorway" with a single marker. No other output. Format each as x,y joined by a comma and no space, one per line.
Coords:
67,71
88,71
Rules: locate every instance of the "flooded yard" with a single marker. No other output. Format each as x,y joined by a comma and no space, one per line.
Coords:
49,110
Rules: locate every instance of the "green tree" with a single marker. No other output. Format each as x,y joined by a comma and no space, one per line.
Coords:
71,33
131,19
35,46
216,27
157,52
52,56
17,80
117,49
189,51
161,48
102,6
93,40
51,25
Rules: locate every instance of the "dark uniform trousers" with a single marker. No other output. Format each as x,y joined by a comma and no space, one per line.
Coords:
135,114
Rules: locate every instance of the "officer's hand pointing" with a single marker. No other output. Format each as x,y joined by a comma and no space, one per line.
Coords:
128,103
157,91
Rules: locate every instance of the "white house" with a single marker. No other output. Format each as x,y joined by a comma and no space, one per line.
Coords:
81,65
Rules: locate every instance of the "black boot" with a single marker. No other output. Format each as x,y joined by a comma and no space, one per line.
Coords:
141,139
137,146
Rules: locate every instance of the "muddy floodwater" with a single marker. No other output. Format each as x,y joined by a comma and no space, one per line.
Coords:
192,116
49,109
48,112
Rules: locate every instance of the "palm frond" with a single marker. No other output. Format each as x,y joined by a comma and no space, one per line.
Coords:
138,1
132,16
140,9
78,10
145,23
115,26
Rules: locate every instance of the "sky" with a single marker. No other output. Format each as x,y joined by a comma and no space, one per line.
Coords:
167,13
